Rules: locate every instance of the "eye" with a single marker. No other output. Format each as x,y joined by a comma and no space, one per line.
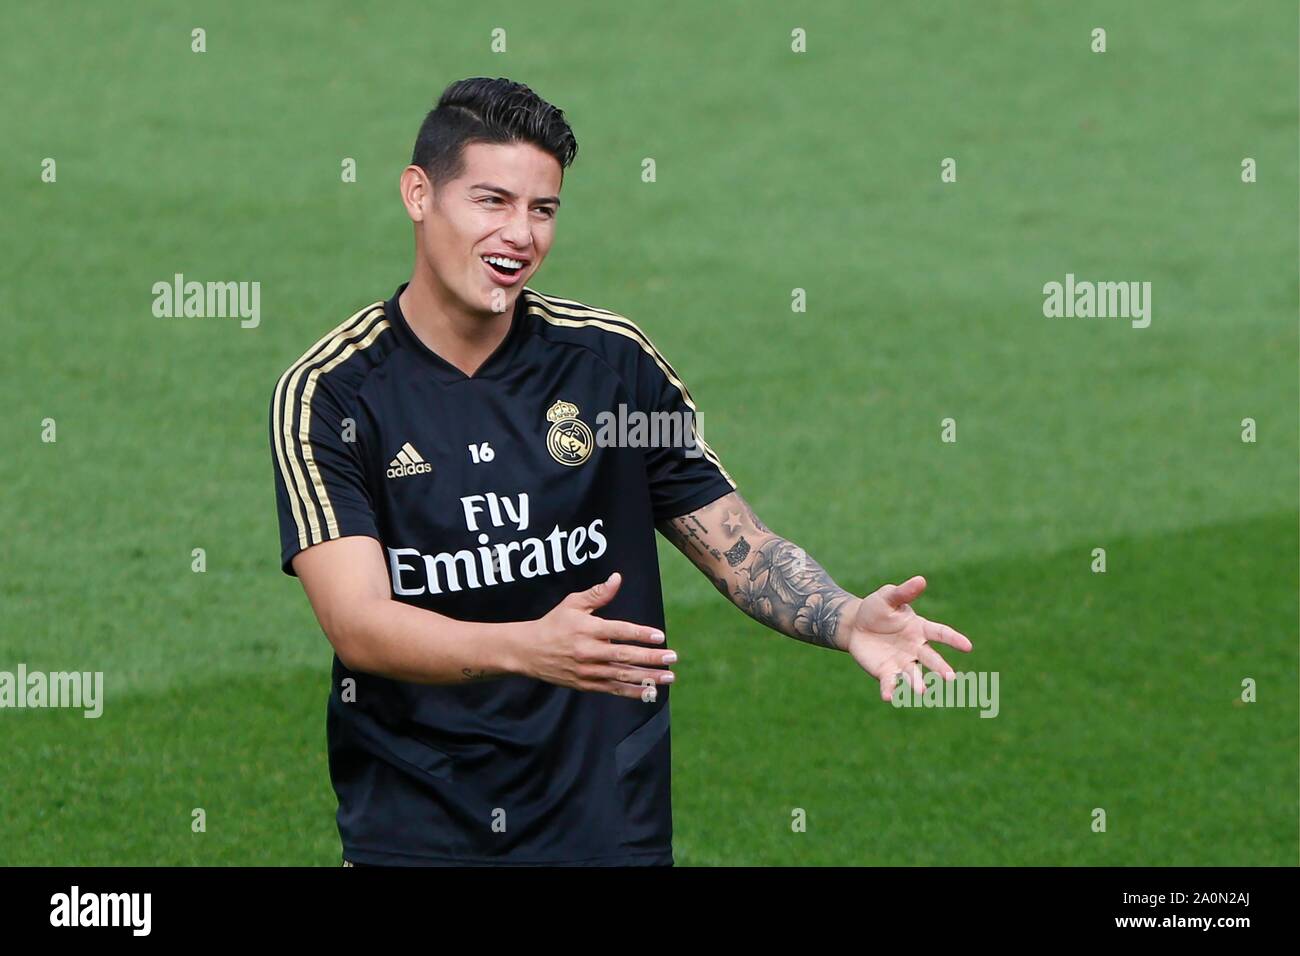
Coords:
493,199
547,211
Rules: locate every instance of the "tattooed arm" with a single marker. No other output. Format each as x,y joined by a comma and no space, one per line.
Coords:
779,584
775,582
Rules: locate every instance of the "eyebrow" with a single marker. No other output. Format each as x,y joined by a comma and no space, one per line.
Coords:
554,200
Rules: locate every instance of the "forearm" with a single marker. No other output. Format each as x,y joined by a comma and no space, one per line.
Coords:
396,640
768,577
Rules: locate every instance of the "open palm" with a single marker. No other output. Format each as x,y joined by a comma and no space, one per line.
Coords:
888,638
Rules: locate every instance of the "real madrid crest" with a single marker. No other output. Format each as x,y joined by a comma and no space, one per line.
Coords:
570,440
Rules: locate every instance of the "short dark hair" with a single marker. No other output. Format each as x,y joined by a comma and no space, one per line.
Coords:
483,110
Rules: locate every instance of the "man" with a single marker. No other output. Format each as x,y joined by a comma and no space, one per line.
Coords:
484,568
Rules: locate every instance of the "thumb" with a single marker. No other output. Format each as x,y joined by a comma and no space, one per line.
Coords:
899,594
597,595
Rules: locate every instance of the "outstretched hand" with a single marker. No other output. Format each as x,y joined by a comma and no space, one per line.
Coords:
888,638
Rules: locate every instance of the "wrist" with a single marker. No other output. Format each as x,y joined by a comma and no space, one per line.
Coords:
508,656
848,614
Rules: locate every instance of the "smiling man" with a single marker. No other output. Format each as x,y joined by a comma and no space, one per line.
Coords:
485,571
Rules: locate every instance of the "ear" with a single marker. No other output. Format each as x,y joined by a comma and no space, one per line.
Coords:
416,192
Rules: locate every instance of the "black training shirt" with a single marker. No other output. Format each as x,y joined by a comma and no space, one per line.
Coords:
493,497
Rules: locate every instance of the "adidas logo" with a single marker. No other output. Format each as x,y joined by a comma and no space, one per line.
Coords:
408,462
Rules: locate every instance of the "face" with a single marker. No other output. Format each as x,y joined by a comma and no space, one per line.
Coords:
502,206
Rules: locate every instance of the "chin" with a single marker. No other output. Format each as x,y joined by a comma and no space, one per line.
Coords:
483,302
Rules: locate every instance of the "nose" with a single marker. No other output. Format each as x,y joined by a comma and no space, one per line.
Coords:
518,231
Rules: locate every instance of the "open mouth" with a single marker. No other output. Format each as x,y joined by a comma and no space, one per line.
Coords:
503,266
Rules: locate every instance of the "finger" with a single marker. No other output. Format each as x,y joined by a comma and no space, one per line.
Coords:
605,630
631,675
943,634
647,693
605,653
597,595
896,595
889,681
930,658
914,676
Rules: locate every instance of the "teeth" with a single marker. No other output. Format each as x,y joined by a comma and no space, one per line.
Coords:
503,261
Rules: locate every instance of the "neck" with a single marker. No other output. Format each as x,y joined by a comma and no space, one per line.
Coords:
462,336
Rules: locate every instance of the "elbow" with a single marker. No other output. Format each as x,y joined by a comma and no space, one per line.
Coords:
351,655
351,644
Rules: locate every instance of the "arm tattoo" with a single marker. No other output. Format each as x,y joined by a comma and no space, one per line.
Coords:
772,580
719,582
686,533
737,552
786,589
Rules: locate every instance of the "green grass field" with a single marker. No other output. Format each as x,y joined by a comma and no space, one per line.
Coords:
775,170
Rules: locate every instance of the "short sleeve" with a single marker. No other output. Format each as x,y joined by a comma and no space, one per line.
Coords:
320,487
683,475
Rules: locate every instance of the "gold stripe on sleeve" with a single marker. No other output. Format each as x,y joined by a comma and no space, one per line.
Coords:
304,430
299,500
